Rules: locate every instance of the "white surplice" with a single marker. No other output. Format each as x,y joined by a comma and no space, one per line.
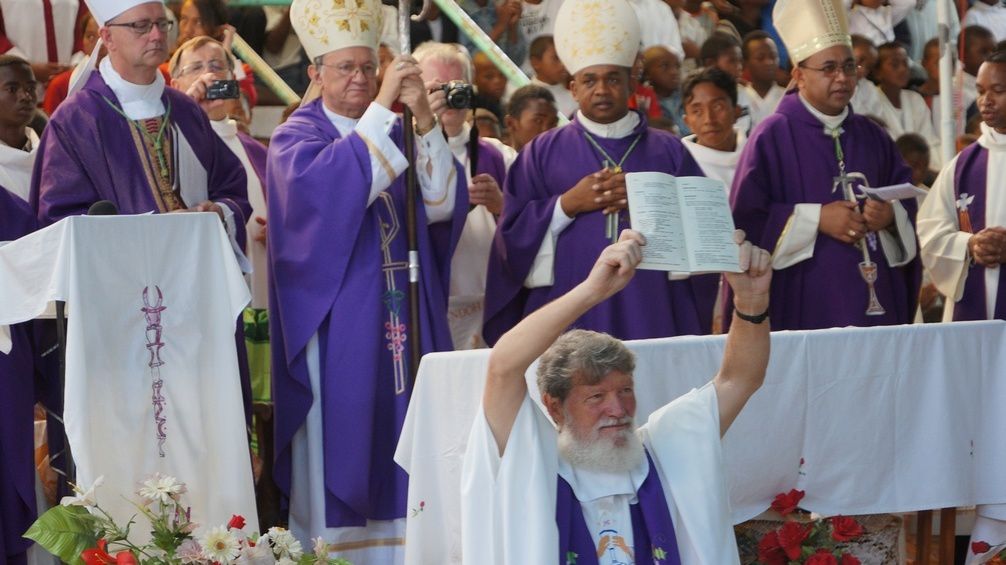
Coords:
990,17
466,302
912,117
227,130
760,107
719,165
16,165
25,27
138,294
508,502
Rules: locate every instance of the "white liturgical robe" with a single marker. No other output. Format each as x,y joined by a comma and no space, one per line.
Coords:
508,503
152,379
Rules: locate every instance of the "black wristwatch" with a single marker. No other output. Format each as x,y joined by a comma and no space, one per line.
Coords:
753,319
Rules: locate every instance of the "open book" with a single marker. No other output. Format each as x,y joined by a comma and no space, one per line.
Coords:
686,222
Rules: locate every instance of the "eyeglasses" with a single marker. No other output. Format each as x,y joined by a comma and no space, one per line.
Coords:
849,69
344,70
215,66
143,27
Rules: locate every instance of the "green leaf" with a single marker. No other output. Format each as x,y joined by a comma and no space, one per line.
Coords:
64,531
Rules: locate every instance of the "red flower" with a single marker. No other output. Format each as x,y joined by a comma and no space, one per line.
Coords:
844,528
849,559
769,550
786,503
980,547
97,555
822,557
237,522
125,558
791,536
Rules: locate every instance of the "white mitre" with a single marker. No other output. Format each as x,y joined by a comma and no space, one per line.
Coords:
324,26
810,26
596,32
106,10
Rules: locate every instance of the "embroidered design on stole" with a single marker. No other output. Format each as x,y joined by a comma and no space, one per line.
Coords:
152,314
166,195
395,331
963,215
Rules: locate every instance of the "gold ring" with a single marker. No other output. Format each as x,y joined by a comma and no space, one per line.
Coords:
852,233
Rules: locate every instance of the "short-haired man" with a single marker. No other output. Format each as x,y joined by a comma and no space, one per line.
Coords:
340,320
788,192
761,62
662,71
723,51
530,113
565,184
17,368
591,485
710,100
485,173
128,139
551,73
962,234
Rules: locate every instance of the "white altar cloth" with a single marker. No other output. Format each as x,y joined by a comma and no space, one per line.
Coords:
865,420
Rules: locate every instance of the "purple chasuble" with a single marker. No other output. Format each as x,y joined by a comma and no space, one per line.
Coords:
338,268
651,305
789,160
17,420
652,527
971,174
256,155
491,163
87,154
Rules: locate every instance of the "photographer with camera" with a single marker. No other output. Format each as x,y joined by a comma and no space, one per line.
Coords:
447,68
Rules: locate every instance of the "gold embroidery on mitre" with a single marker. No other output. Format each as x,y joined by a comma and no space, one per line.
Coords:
353,16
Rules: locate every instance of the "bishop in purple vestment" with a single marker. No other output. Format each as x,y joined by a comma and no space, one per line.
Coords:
788,199
339,295
560,162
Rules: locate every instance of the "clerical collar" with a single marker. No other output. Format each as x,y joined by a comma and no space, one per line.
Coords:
623,127
225,128
342,123
590,485
830,122
138,101
991,139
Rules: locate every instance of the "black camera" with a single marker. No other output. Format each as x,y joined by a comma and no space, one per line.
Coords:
223,90
459,94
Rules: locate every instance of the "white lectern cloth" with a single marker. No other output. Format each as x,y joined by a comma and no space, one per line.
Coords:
101,266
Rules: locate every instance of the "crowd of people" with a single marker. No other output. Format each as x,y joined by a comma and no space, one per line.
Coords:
790,104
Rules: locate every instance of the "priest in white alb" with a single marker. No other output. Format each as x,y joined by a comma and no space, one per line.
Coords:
586,487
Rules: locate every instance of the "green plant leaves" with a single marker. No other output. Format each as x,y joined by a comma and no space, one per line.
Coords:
64,531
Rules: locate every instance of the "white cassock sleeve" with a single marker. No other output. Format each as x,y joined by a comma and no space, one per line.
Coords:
508,502
944,247
797,241
543,267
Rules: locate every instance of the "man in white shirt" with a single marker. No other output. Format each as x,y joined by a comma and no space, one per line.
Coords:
592,485
962,236
551,73
875,19
990,14
18,142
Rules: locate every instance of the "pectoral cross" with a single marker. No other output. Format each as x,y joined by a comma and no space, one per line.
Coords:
611,220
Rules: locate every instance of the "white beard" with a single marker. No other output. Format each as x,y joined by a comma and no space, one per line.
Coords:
617,454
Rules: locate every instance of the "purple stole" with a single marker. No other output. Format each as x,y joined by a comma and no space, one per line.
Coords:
971,173
652,528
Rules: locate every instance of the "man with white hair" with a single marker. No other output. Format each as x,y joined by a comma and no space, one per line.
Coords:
340,317
127,139
591,488
485,173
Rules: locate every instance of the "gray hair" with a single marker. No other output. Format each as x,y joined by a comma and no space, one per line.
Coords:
448,54
582,355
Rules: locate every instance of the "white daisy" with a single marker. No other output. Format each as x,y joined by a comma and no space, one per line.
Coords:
220,545
320,547
284,544
161,488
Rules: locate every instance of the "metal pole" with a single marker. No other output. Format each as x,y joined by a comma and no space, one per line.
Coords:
948,51
411,195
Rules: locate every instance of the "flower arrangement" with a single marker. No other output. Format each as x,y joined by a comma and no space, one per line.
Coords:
994,555
807,539
79,532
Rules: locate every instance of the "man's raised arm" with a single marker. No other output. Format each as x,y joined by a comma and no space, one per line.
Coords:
518,348
745,357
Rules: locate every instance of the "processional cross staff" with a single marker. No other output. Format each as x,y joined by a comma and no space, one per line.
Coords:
847,181
411,188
